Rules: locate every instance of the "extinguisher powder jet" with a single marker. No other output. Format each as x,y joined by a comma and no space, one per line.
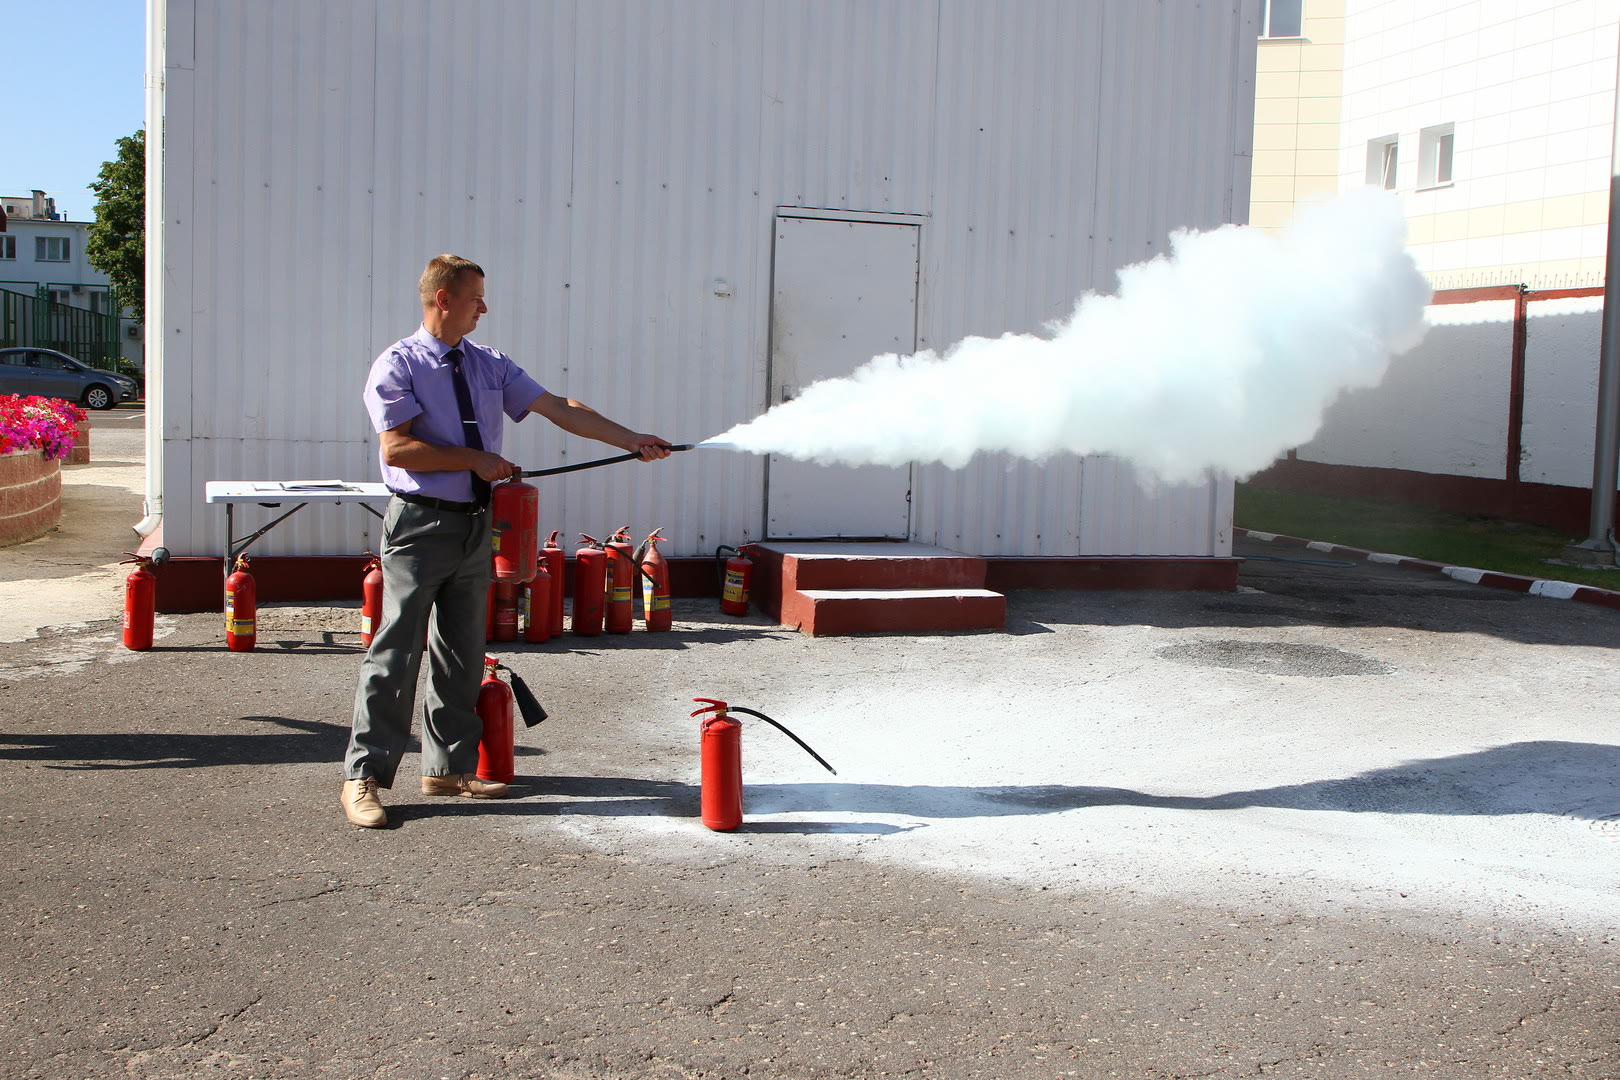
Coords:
1219,356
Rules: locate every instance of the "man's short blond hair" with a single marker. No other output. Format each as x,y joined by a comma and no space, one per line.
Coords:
445,272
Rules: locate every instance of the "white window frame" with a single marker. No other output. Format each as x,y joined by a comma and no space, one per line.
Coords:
8,249
1436,155
1266,20
44,245
1383,161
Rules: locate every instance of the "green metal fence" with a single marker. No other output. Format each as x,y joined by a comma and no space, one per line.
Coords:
90,337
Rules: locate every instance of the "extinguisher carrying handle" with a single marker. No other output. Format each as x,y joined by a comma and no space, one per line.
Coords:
720,708
593,464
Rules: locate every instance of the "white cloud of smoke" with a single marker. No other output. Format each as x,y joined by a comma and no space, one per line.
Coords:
1220,356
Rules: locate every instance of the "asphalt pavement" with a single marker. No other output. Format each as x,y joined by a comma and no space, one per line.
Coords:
1350,821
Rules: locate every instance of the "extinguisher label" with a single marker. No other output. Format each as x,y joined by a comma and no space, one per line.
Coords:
365,624
734,586
495,542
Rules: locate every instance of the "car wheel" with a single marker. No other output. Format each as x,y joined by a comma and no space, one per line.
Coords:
99,397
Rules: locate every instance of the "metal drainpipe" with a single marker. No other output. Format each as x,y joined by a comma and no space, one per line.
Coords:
155,60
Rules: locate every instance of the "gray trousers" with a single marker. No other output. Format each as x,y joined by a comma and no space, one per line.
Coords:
435,563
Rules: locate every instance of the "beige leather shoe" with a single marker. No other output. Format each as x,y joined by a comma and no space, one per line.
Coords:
466,785
360,803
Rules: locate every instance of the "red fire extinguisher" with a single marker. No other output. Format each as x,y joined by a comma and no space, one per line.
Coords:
489,611
590,578
737,575
655,605
535,605
514,509
495,749
241,608
620,583
140,599
506,613
720,762
553,558
371,590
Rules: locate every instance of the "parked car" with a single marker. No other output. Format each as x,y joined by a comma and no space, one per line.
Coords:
49,373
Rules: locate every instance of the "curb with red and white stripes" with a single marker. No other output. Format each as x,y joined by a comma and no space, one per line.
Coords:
1557,590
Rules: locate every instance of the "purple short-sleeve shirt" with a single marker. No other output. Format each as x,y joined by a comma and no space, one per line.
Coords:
411,381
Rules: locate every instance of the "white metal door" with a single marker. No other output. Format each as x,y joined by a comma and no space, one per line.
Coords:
845,290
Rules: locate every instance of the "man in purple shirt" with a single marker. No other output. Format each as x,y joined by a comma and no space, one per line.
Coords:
436,400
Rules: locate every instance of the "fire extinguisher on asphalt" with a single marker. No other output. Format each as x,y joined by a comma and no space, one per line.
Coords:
489,610
552,556
506,610
140,598
590,578
496,749
241,608
737,574
720,762
655,603
535,605
620,584
371,590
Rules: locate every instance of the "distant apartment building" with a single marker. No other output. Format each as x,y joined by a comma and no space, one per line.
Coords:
1493,120
42,257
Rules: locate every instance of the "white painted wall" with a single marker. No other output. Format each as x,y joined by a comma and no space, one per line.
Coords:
1443,408
606,162
1563,338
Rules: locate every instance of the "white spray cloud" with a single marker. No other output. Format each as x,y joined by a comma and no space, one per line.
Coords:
1219,356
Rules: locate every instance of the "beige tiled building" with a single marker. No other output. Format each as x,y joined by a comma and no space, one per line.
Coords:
1493,119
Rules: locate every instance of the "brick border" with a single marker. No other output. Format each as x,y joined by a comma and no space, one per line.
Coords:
1557,590
30,496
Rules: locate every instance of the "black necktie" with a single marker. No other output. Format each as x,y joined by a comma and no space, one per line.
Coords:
469,422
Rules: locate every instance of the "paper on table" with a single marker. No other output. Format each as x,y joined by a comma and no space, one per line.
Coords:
314,485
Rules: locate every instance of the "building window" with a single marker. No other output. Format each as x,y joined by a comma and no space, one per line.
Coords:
51,249
1283,19
1434,156
8,247
99,303
1381,157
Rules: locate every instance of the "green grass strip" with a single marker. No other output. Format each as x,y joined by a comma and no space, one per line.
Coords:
1421,532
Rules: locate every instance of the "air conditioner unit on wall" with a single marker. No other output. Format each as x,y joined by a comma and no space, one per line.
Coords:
77,289
133,331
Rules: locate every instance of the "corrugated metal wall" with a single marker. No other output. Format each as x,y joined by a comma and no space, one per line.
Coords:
607,163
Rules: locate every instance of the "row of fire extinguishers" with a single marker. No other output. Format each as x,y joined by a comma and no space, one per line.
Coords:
525,588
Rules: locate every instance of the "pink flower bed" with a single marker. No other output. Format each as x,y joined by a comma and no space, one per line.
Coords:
38,423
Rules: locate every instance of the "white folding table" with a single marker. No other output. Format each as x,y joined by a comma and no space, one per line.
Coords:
273,493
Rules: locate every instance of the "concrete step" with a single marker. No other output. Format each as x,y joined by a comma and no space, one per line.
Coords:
835,565
902,611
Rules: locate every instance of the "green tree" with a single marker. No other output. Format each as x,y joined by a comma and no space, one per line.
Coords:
117,245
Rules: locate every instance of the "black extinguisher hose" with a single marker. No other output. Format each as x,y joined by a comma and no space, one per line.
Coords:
593,464
529,706
802,744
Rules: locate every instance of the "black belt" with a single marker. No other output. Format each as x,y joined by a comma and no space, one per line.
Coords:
440,504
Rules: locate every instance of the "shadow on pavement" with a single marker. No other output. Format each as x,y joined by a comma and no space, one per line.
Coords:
1571,779
1566,779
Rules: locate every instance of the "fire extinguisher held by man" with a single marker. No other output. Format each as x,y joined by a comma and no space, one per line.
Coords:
436,400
